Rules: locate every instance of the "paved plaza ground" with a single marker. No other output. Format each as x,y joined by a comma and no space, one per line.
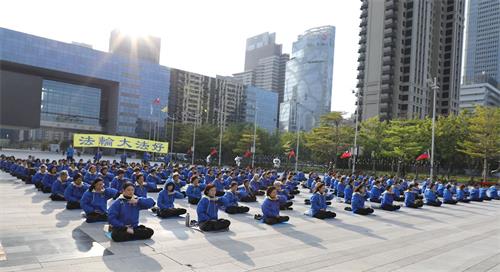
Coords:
37,234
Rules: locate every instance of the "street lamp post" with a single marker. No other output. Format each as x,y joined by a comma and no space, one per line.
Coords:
297,121
435,87
254,136
194,135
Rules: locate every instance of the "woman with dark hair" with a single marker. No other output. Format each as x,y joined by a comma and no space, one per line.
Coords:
166,200
75,191
141,189
448,195
49,179
411,198
94,201
230,200
219,184
388,198
462,194
271,208
59,186
358,201
318,203
431,198
207,211
194,190
245,192
124,216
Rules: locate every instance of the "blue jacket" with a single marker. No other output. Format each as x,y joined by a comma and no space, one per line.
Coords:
219,185
318,202
89,178
153,179
92,201
482,193
141,191
461,195
74,193
474,194
207,209
447,195
108,178
270,208
38,177
348,194
48,180
121,213
244,192
58,188
375,193
387,199
357,202
492,192
440,189
255,184
430,196
117,183
340,188
195,191
409,198
229,199
166,199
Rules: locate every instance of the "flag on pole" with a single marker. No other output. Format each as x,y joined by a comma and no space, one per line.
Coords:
346,155
423,156
213,151
156,101
291,154
247,154
165,109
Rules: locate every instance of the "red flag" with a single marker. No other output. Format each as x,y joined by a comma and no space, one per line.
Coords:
423,156
346,155
213,151
291,154
156,101
247,154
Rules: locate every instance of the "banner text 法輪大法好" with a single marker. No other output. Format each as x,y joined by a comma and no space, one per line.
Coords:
120,142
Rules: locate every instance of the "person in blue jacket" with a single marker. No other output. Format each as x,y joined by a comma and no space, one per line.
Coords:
70,152
348,191
483,193
462,194
474,194
124,216
246,193
118,180
94,201
411,200
140,186
285,203
493,192
97,157
194,190
38,177
430,196
74,192
166,200
49,179
387,200
340,187
59,186
178,182
219,184
318,203
146,157
376,192
448,195
230,200
255,185
123,158
106,176
207,211
440,189
271,208
91,175
358,201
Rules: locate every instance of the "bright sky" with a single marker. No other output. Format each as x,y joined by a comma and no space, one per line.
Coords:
203,36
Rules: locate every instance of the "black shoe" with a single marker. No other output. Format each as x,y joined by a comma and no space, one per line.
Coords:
290,208
154,209
328,203
257,217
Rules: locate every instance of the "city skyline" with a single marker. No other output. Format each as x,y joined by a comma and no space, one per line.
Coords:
191,46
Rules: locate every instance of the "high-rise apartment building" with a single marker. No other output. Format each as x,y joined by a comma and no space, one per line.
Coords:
404,44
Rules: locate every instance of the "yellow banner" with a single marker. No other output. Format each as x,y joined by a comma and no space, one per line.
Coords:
122,142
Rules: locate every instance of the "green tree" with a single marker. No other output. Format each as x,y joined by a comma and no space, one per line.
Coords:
371,132
483,140
402,141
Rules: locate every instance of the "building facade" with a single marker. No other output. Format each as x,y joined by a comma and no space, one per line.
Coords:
308,85
81,89
479,94
482,51
261,107
404,44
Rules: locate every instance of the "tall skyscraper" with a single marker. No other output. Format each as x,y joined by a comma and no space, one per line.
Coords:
308,85
264,64
404,44
482,57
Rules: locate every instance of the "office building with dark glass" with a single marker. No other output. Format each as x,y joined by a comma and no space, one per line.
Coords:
51,89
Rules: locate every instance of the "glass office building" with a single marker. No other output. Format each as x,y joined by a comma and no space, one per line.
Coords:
308,83
86,89
264,103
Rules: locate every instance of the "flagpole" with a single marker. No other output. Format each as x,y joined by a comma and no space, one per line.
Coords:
355,149
434,89
254,135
